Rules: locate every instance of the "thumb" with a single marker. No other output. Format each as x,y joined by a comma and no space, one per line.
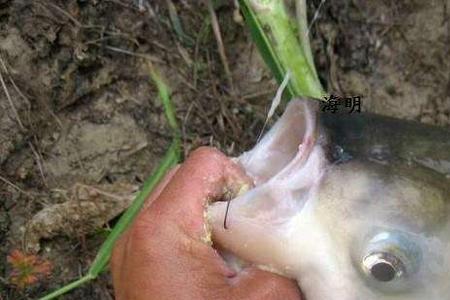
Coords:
253,283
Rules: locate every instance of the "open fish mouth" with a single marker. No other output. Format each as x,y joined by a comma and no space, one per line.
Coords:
286,164
292,138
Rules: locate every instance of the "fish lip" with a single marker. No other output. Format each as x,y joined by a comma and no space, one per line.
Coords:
300,124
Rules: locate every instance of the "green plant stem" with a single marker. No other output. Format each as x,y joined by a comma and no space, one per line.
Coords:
104,254
165,97
169,160
68,287
283,44
171,157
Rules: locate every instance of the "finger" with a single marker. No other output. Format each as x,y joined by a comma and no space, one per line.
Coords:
254,283
205,176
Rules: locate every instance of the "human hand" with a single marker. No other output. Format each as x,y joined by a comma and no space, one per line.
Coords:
163,255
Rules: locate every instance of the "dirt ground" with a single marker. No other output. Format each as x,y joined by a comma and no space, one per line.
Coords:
80,121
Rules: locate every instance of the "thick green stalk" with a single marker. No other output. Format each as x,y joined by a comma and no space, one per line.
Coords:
283,44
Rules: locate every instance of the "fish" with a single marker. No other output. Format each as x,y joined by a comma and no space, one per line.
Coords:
345,215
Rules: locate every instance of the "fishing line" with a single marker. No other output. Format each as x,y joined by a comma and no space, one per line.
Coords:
316,16
275,103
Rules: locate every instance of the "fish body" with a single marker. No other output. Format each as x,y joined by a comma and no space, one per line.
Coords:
387,139
344,226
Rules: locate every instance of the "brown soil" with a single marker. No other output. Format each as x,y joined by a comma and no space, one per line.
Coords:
82,108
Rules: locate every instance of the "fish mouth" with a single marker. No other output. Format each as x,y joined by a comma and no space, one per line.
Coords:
291,138
285,165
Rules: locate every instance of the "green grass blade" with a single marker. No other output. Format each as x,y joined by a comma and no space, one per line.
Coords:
164,96
281,45
68,288
171,157
177,27
104,254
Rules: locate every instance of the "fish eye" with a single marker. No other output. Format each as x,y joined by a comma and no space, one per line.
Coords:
383,266
390,256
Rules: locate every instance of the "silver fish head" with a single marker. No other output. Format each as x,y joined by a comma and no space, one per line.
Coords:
357,230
